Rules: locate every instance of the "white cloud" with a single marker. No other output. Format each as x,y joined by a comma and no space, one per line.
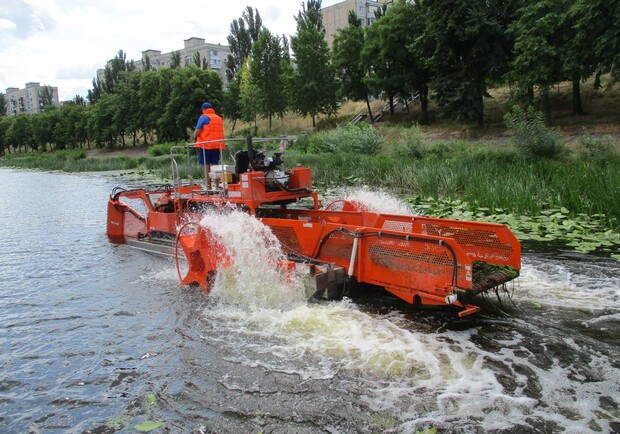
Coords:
7,25
25,18
62,42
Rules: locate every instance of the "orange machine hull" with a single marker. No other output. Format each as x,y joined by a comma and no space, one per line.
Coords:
421,260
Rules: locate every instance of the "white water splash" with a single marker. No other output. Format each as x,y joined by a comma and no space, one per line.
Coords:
373,200
576,285
254,280
414,378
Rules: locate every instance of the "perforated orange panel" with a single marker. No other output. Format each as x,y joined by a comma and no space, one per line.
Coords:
337,246
412,259
132,225
288,238
485,241
396,225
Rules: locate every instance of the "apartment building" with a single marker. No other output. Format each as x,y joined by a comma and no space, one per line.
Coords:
212,55
30,100
337,16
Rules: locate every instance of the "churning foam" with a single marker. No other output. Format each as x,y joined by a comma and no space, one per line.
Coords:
572,284
416,377
374,201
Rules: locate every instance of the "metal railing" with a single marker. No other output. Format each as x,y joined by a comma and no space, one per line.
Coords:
187,152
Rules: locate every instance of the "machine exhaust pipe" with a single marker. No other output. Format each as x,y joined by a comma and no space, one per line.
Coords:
248,142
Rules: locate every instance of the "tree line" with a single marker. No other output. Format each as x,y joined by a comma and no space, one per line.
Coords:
448,51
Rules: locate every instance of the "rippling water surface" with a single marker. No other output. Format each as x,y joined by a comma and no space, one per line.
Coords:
96,337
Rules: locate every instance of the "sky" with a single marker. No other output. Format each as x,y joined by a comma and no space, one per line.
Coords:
62,43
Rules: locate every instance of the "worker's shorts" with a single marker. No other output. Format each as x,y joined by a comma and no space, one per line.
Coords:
208,156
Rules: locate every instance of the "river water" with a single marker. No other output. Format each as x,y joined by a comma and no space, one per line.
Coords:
96,337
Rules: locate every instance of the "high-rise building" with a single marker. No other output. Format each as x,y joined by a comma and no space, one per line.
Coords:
31,100
337,16
212,56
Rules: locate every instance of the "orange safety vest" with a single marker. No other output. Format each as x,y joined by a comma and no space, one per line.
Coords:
214,130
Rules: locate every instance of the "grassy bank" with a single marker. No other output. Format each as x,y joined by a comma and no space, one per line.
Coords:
484,174
572,198
504,183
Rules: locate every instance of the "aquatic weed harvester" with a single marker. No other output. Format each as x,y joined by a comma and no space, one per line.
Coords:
422,260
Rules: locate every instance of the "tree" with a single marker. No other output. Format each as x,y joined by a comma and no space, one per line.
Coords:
176,59
111,75
313,83
2,105
152,100
231,108
254,22
597,33
103,123
267,74
244,32
46,97
5,123
19,132
128,115
78,100
146,63
196,60
347,60
578,59
249,95
392,51
70,130
189,88
43,126
93,95
538,55
471,49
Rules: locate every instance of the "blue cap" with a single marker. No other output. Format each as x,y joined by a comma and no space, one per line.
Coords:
206,105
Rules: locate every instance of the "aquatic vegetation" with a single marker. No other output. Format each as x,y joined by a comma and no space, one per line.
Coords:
119,422
582,232
148,425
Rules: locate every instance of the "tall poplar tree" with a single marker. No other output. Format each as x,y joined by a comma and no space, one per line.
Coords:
244,32
267,73
348,44
313,83
2,105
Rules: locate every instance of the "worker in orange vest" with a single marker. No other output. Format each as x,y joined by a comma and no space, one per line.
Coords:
209,136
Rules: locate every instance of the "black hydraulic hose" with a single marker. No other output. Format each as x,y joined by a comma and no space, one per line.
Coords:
296,190
116,191
395,236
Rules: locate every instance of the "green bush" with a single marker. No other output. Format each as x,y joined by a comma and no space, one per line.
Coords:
532,138
408,144
301,144
160,149
358,138
596,148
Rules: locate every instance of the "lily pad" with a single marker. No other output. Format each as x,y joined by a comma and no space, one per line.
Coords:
149,425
